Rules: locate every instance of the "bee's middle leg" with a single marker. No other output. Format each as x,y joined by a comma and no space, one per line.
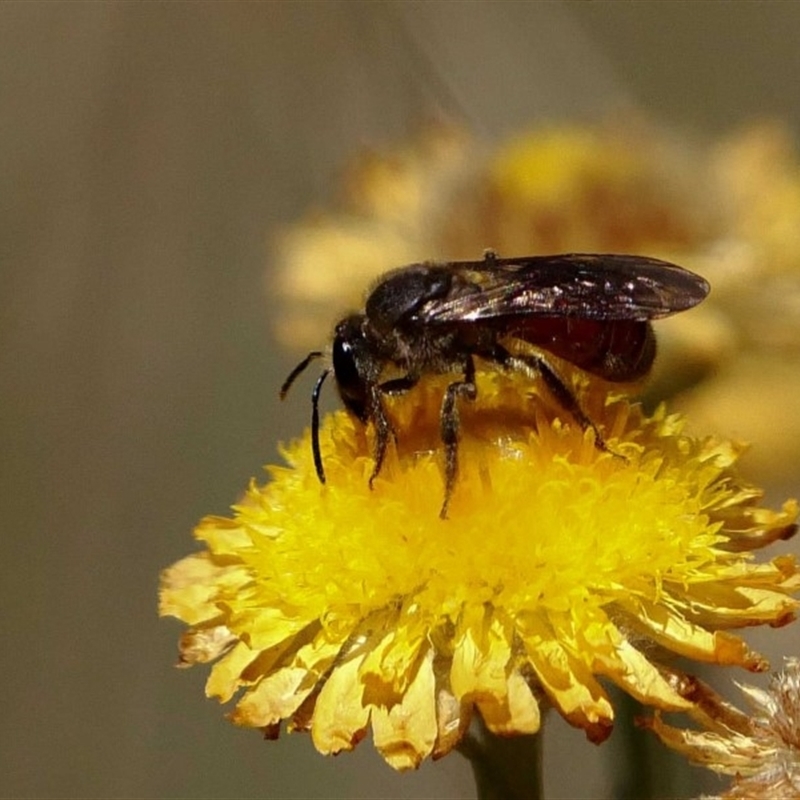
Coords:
449,426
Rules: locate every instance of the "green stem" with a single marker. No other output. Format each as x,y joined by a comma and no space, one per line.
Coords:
505,767
635,779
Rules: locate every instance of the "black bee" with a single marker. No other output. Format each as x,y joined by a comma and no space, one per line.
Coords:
593,311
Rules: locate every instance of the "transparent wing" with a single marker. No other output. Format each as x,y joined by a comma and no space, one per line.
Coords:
588,286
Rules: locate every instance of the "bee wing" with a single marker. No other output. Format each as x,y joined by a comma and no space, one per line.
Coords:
588,286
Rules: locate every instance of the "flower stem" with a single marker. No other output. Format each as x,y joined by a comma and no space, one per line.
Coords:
505,767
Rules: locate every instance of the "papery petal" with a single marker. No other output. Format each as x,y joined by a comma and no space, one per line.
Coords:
340,716
405,733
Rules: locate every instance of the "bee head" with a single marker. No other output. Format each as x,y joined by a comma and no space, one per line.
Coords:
353,365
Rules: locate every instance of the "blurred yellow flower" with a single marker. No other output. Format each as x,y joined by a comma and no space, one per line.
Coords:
728,210
761,749
337,609
445,197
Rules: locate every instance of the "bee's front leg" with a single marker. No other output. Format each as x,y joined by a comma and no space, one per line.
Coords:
383,428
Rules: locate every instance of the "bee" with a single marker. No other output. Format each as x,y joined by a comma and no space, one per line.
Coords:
593,311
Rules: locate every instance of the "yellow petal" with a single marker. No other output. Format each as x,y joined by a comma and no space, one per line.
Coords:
731,754
405,733
340,717
223,536
264,627
568,683
452,716
641,679
190,588
721,605
275,698
693,641
388,667
200,645
514,712
752,527
226,675
480,660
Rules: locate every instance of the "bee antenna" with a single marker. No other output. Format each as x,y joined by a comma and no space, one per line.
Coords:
287,384
315,421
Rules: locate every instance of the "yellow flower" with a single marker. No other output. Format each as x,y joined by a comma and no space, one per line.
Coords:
761,748
338,609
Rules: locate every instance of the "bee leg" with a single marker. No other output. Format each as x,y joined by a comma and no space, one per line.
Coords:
315,448
383,428
399,385
568,401
562,393
449,427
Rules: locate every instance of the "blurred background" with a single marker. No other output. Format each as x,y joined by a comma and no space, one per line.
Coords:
149,156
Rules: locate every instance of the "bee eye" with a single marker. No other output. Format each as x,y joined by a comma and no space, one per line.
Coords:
344,362
351,385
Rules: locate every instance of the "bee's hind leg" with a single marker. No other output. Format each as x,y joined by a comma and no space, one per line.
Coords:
535,365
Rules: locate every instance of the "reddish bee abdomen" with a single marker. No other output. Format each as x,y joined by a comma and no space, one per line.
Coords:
617,350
